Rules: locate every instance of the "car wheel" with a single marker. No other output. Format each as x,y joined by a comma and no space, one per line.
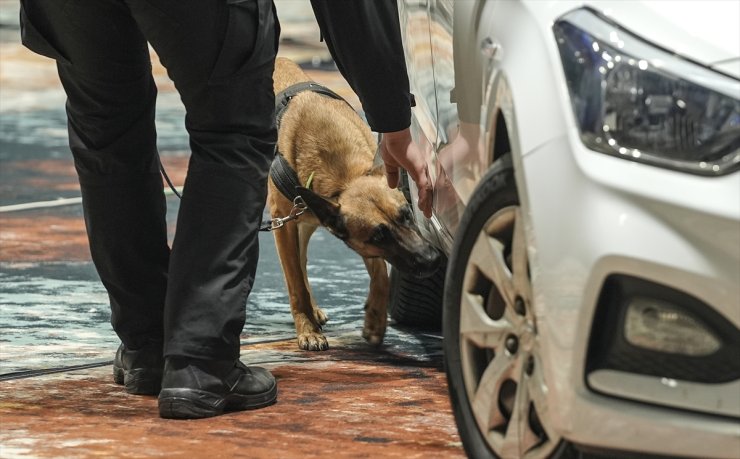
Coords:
492,356
415,301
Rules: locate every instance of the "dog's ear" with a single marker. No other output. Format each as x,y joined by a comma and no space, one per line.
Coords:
325,210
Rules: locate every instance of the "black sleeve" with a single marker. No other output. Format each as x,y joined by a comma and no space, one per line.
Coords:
364,38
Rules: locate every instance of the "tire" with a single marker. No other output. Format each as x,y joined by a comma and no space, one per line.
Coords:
417,302
483,380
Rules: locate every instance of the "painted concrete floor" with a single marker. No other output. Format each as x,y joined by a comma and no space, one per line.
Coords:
57,396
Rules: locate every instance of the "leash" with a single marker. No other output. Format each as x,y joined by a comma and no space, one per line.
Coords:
167,177
298,208
283,175
298,205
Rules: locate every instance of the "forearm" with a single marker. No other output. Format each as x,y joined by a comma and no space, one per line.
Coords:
364,39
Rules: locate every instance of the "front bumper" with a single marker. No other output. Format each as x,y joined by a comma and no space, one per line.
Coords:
592,216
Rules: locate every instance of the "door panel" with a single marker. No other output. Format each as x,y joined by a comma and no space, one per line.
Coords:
414,18
457,61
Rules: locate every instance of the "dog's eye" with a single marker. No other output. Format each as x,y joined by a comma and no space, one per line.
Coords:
379,235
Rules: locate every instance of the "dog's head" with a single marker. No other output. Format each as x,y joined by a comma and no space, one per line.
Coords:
375,221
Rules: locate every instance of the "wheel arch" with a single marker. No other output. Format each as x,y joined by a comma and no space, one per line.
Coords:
503,133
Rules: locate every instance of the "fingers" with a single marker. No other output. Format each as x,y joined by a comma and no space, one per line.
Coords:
417,169
425,194
399,151
420,175
392,175
425,203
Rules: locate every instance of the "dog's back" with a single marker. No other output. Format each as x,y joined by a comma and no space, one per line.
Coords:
287,73
321,136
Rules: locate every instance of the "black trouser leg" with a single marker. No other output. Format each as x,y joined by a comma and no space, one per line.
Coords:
214,259
221,59
103,63
127,231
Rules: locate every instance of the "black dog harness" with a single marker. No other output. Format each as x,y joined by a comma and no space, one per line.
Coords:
282,174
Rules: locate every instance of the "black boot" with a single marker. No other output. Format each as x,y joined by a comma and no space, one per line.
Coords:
140,370
193,389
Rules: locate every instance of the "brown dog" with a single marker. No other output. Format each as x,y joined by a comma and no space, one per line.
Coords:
325,140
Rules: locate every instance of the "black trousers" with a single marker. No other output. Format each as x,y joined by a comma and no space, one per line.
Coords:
220,55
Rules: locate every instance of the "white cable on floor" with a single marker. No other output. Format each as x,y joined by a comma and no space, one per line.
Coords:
57,203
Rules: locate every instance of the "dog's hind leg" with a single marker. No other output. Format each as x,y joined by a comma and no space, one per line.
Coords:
376,317
292,259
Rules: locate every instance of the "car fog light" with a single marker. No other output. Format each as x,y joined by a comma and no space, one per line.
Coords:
660,326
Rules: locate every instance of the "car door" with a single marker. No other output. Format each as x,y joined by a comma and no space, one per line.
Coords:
456,56
414,18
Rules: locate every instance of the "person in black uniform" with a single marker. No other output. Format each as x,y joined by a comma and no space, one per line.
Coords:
179,311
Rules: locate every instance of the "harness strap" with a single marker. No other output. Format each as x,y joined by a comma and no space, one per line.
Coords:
283,175
283,97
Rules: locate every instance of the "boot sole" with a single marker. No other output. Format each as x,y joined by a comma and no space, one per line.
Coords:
198,404
138,381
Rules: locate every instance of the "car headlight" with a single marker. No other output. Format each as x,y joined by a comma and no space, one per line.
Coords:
635,100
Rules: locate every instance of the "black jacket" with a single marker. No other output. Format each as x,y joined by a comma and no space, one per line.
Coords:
364,38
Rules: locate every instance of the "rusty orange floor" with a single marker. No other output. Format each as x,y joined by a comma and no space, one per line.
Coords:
350,401
346,402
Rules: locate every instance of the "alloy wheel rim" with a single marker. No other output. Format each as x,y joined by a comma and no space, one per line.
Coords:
499,350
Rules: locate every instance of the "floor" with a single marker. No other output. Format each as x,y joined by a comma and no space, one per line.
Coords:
57,396
349,401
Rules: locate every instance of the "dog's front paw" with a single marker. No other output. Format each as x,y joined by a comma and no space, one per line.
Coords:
312,341
376,321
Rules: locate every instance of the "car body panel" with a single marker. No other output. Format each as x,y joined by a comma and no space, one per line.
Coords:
587,214
598,217
586,230
730,67
704,31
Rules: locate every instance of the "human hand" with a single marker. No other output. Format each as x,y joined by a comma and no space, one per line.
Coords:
398,150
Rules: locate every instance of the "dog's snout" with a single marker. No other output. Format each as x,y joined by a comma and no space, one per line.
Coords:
428,256
427,261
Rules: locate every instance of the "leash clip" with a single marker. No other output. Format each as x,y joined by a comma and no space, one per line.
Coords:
299,207
276,223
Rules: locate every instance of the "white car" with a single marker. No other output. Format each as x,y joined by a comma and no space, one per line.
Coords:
585,157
